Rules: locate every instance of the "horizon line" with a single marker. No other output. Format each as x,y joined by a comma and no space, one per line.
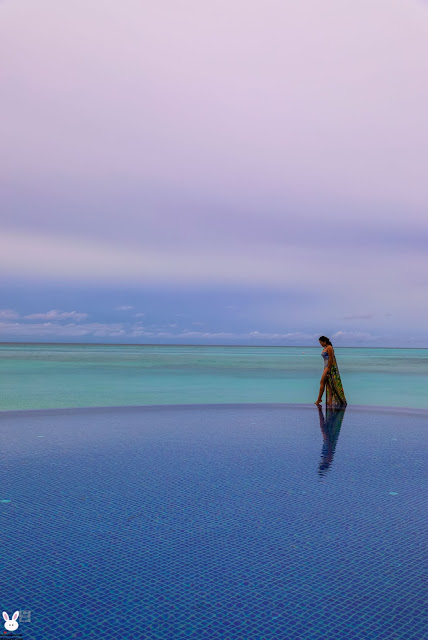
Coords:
162,344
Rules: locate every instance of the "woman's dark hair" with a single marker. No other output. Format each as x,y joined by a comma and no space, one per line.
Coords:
324,339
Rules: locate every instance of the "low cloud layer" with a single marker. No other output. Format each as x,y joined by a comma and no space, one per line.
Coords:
99,331
55,325
54,314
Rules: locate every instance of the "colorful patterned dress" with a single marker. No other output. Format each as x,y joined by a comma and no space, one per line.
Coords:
335,396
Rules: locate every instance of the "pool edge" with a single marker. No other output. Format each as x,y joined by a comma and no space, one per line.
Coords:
183,406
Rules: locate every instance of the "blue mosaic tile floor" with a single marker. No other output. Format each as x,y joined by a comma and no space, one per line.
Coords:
256,522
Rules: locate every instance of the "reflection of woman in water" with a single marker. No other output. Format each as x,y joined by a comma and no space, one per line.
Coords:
330,379
330,428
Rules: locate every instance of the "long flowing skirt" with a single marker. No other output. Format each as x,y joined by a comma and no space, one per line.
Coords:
335,396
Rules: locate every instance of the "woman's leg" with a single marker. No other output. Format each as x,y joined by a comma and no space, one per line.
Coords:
321,391
322,387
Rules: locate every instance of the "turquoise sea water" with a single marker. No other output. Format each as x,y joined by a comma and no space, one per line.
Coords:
35,376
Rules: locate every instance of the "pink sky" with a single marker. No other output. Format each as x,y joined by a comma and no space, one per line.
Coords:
274,144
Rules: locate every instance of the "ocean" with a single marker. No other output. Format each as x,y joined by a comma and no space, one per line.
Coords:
45,376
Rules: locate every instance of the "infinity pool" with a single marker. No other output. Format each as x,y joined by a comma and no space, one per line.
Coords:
231,522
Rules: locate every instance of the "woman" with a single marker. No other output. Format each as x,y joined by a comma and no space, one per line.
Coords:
330,379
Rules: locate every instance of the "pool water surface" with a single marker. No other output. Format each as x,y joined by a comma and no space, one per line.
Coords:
231,522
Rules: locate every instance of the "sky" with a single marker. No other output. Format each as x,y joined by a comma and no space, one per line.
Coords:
217,172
